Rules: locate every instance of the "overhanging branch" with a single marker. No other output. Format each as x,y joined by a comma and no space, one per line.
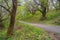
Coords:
6,3
5,8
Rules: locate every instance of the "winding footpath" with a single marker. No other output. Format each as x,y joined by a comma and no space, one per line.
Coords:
55,29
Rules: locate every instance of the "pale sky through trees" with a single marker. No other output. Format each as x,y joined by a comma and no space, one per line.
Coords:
22,2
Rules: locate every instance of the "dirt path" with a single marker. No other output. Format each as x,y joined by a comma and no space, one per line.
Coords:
55,29
50,29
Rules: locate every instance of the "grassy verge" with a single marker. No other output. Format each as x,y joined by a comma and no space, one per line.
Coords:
26,32
53,18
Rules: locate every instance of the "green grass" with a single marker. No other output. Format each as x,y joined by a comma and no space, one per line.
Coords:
52,17
26,32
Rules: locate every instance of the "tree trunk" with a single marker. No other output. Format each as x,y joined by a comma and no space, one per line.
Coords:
12,19
59,4
44,13
1,22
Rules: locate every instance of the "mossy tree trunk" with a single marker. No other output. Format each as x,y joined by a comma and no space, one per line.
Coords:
44,13
12,19
1,22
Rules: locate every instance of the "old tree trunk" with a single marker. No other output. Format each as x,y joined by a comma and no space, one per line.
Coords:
12,19
44,13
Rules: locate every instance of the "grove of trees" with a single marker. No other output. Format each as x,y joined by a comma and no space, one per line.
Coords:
9,7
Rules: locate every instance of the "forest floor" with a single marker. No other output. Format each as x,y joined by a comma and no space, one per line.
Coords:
54,31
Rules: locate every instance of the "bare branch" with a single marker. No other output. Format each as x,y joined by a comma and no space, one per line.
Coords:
5,8
6,3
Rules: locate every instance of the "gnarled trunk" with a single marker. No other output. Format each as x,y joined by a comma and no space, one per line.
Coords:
44,13
12,19
1,22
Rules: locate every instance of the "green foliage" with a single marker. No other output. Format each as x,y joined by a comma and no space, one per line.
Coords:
44,2
25,32
52,15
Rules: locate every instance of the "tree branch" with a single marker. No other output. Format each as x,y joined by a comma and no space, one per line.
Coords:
6,3
5,8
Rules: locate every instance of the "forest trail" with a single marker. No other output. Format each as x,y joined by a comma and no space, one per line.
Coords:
50,29
54,29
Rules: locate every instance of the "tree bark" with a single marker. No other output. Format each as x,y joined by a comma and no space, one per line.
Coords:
1,22
12,19
44,13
